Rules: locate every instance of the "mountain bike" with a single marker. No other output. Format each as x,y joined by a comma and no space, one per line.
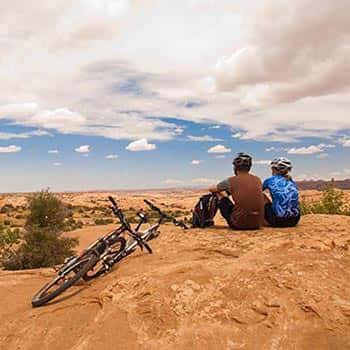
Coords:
105,252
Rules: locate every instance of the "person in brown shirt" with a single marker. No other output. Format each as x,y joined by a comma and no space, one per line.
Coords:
246,211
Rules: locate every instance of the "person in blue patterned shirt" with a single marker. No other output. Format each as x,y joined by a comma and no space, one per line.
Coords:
284,209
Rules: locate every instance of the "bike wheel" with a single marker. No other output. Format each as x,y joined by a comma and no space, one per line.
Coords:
99,269
62,282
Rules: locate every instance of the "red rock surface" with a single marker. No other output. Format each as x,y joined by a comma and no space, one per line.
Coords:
201,289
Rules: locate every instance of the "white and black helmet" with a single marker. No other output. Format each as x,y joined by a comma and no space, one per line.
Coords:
281,164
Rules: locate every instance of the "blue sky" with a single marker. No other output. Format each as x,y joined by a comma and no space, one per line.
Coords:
170,91
169,165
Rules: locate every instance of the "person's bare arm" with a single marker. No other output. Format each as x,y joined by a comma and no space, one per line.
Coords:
214,189
267,197
222,187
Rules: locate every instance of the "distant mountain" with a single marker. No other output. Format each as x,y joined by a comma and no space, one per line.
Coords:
322,184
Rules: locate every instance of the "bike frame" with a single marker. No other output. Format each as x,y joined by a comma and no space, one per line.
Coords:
138,238
104,251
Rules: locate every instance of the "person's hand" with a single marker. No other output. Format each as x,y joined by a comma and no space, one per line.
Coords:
213,189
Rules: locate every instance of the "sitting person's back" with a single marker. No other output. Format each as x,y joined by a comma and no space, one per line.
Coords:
246,210
284,210
248,201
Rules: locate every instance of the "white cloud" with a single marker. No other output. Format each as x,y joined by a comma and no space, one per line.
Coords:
215,127
126,98
310,149
57,164
204,138
262,162
83,149
114,86
173,182
219,149
196,162
316,64
203,181
112,156
178,131
306,150
237,135
18,109
324,145
23,135
10,149
61,119
270,149
140,145
53,151
220,156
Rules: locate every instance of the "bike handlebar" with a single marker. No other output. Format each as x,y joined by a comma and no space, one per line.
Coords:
166,216
118,212
153,207
112,200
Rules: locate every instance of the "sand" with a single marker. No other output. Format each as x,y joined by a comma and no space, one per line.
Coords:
201,289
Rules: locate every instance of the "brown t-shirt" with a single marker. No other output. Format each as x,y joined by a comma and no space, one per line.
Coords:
248,211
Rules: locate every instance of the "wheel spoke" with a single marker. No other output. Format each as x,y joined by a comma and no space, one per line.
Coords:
62,282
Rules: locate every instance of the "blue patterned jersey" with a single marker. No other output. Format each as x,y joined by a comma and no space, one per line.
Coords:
285,196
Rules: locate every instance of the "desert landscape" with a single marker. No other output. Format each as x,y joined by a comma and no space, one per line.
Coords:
200,289
164,100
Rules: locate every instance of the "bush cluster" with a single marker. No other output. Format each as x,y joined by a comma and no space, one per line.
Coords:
46,211
102,221
332,202
152,216
71,224
41,243
8,240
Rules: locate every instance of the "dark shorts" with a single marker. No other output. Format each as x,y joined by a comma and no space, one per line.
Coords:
276,221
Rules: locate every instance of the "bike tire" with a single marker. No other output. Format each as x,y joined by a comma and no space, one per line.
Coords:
102,269
41,298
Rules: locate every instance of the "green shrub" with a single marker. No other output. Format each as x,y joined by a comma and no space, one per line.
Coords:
41,248
46,211
71,224
177,213
103,221
8,239
332,202
42,244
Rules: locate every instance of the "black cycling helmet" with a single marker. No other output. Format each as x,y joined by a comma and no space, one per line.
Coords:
242,161
281,164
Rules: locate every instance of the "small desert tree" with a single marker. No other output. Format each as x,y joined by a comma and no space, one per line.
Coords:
42,244
332,202
46,211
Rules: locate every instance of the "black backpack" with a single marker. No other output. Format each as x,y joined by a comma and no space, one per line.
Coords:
204,211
